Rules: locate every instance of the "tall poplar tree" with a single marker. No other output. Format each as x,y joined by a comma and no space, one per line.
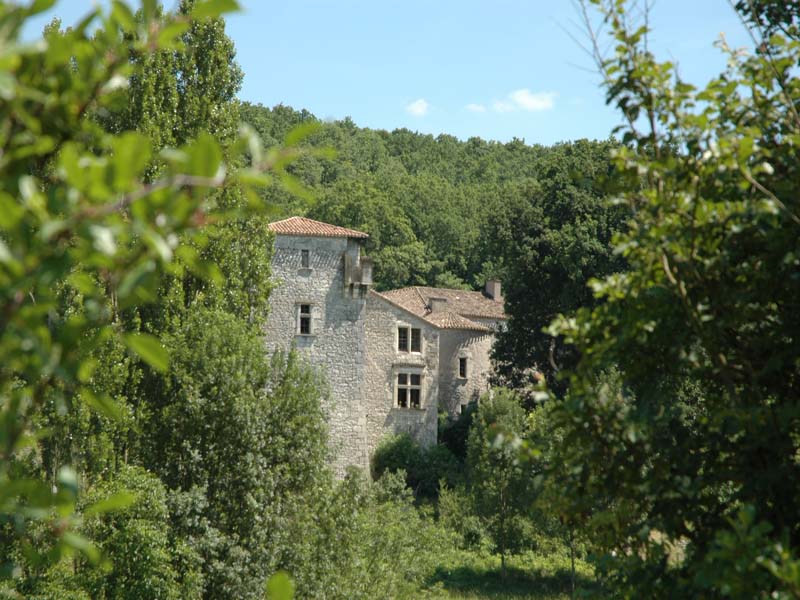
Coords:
235,458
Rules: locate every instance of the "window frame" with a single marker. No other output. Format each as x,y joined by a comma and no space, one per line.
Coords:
463,367
305,258
403,338
418,331
304,317
404,387
409,335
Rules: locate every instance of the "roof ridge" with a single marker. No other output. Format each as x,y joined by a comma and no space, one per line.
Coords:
421,297
303,226
440,320
398,305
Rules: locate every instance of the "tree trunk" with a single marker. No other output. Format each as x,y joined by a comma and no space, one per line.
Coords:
572,565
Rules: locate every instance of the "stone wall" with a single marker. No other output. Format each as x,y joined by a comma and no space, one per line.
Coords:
476,347
353,341
384,361
336,342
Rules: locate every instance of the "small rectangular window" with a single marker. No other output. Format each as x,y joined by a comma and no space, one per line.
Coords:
462,368
416,340
409,339
305,319
402,339
305,259
409,390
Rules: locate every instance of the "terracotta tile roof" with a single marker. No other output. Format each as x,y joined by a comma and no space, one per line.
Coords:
460,306
303,226
467,304
450,320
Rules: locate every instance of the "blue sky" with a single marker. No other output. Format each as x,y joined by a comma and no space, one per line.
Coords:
497,69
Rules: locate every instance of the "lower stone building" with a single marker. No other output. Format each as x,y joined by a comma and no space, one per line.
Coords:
392,359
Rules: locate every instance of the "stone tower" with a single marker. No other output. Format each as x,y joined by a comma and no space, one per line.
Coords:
318,306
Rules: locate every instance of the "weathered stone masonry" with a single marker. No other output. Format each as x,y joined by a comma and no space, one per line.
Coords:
350,333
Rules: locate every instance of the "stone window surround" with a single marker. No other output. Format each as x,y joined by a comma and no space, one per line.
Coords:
305,258
463,367
409,328
408,370
299,316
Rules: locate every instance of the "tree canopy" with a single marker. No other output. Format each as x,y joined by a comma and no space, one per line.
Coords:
681,420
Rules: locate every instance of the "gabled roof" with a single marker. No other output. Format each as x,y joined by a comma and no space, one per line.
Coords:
309,227
417,299
456,312
450,320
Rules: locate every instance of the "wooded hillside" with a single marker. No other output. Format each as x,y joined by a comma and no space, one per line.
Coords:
642,438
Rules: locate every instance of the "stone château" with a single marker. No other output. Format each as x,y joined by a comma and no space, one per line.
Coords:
392,359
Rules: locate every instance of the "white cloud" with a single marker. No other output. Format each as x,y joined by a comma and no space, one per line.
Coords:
503,106
525,99
418,108
533,101
478,108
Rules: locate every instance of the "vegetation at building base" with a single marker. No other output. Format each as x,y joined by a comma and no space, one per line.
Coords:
150,448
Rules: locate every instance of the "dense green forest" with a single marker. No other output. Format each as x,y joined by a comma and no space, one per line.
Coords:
446,213
643,435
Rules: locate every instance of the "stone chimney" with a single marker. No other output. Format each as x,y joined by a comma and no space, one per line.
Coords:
493,290
437,304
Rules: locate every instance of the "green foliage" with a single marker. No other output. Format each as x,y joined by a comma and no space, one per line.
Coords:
529,576
499,481
227,404
97,221
550,244
456,513
365,540
442,212
424,468
126,516
153,567
454,432
771,16
280,587
681,425
446,213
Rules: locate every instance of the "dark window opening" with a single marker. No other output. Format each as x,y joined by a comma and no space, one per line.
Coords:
462,368
305,319
402,339
305,259
409,339
416,340
409,390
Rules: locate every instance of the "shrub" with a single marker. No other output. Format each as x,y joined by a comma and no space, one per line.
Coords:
453,432
424,467
457,514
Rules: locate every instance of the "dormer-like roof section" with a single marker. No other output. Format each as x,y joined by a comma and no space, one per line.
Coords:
302,226
467,304
455,309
